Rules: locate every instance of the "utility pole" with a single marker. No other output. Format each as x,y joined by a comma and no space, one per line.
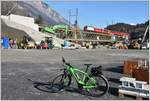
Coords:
76,23
69,17
112,22
146,31
107,23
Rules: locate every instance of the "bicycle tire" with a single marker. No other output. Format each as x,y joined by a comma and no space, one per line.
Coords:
102,86
61,84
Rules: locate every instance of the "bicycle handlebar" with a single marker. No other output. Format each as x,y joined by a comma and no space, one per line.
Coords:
64,61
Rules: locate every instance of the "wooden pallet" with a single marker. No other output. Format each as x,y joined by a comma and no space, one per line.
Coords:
137,97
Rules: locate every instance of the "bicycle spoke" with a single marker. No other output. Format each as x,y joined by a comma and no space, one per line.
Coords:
61,81
100,89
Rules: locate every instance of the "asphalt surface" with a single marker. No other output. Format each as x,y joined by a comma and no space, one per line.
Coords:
17,66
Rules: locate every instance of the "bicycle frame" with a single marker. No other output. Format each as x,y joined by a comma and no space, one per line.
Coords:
81,80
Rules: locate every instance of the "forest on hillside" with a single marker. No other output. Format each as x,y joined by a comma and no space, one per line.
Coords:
136,31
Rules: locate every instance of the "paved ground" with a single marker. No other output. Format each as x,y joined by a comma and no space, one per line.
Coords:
42,66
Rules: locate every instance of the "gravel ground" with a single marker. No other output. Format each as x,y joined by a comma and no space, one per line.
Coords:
42,65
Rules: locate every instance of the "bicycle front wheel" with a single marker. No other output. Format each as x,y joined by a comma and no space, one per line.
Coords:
101,86
60,82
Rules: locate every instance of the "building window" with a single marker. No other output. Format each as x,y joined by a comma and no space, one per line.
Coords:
125,83
131,84
138,85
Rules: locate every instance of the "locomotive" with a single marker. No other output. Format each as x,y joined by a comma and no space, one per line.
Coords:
93,29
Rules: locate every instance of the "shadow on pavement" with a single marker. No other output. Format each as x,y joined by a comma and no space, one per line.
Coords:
113,80
47,87
113,91
118,69
43,86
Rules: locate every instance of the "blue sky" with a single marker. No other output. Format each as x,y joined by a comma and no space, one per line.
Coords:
102,13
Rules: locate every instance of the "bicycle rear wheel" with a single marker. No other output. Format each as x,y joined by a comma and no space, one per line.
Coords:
102,86
60,82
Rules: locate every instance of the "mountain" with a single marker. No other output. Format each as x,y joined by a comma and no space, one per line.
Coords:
33,9
136,31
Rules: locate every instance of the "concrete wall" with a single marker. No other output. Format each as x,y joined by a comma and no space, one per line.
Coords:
23,20
5,17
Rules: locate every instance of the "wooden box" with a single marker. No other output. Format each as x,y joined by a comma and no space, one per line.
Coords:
141,74
137,68
129,65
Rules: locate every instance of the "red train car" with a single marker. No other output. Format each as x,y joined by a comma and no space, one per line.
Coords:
106,31
98,30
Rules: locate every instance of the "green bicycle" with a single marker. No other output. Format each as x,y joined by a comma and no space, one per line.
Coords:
92,84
